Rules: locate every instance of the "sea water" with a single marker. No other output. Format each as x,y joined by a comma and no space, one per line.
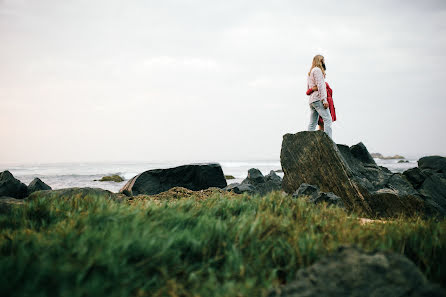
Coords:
66,175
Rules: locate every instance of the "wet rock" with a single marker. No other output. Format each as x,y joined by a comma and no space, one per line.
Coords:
193,177
435,163
12,187
313,158
352,272
255,176
256,183
415,176
37,185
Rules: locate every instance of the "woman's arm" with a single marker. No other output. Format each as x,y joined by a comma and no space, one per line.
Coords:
309,91
320,83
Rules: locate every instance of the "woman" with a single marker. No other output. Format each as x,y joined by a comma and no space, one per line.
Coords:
318,98
330,104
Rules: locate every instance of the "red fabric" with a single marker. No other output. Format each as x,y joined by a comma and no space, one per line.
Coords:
330,105
309,91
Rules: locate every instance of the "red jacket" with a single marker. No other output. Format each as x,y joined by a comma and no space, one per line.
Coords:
330,103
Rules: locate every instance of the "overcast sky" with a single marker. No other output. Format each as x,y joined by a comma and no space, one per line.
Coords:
215,80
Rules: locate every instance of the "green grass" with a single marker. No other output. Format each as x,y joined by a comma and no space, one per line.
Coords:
221,246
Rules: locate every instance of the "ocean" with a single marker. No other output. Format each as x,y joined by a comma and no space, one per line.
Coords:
65,175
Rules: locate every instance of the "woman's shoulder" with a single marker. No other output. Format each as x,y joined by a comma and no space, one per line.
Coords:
316,69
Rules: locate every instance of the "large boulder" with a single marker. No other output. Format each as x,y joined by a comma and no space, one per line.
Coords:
37,185
429,178
193,177
435,163
349,173
12,187
352,272
257,183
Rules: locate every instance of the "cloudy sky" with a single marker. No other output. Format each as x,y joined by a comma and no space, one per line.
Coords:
215,80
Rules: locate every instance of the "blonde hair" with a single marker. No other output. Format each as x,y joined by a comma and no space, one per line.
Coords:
317,62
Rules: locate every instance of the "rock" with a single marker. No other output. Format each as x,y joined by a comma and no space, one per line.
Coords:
307,190
380,156
12,187
377,155
255,176
352,272
436,163
193,177
329,198
273,177
278,171
256,183
70,193
415,176
434,187
403,161
313,158
240,188
114,178
316,196
37,185
263,184
229,177
360,152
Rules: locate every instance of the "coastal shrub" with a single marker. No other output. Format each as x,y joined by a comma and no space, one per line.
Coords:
220,246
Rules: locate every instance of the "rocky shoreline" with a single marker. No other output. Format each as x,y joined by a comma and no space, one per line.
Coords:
315,169
338,174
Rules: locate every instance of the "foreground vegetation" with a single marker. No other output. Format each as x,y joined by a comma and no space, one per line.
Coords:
219,246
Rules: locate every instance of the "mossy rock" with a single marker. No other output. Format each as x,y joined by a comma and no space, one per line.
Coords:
229,177
114,178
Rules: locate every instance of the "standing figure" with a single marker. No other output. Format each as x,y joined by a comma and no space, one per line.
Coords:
318,99
330,104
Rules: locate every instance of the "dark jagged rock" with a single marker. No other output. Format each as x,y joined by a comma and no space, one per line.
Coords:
313,158
360,152
193,177
255,176
415,176
12,187
263,184
436,163
273,177
307,190
352,272
430,180
434,187
256,183
37,185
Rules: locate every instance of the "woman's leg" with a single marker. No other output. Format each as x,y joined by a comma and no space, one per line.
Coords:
314,116
325,115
